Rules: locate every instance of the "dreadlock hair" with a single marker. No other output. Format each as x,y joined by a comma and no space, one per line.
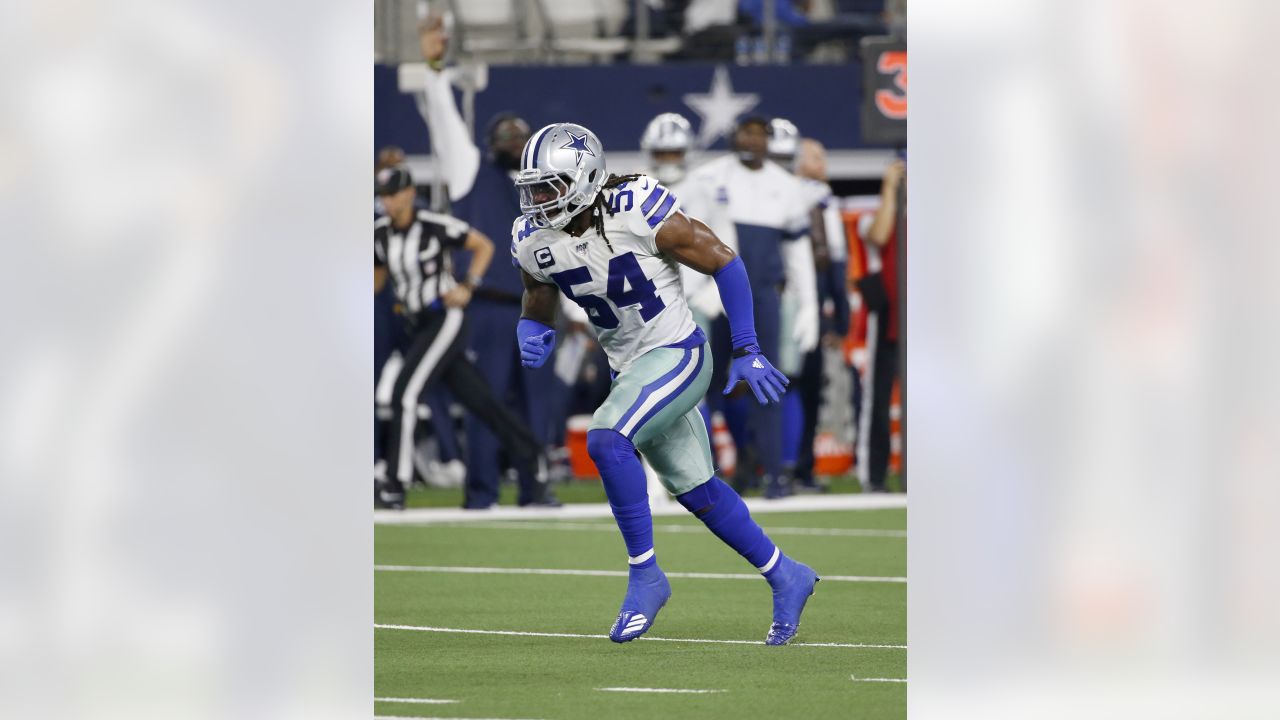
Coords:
598,209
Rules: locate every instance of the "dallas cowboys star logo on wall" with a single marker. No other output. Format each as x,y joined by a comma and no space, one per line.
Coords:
719,108
578,143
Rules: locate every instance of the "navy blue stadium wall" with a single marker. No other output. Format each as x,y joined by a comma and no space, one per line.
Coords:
616,101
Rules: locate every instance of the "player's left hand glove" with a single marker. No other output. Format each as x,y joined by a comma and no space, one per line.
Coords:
536,342
767,383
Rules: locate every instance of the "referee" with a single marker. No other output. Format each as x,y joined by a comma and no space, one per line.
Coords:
414,247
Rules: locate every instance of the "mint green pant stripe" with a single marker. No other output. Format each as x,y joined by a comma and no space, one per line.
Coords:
674,440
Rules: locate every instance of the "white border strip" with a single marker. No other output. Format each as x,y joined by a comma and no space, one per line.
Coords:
657,690
521,633
579,511
418,701
464,570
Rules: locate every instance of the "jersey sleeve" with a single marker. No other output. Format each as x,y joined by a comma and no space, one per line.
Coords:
647,205
522,231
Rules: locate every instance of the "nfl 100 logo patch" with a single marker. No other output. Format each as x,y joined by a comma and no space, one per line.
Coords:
581,249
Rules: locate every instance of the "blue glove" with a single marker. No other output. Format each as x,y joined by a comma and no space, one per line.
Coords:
536,342
767,383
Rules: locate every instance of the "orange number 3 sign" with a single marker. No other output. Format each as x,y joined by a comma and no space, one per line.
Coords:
891,102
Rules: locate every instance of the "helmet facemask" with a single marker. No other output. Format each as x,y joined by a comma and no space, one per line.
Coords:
545,198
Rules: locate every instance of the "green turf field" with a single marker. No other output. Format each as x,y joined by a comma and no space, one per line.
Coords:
530,676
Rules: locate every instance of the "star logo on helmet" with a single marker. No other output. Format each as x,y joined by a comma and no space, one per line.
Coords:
578,143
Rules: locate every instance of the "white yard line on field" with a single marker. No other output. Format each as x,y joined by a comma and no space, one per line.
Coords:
888,680
521,633
580,511
657,690
419,701
415,718
693,529
612,573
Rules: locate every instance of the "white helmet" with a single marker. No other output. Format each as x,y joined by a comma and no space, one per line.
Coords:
668,132
784,141
564,163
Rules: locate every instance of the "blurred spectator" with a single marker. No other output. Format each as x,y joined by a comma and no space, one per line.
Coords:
879,290
789,13
798,29
711,30
666,17
389,156
831,260
484,194
799,311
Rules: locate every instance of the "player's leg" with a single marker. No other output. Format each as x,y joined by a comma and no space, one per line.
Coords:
638,398
432,346
681,455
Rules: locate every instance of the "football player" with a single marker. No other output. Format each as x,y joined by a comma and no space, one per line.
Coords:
668,138
614,246
760,210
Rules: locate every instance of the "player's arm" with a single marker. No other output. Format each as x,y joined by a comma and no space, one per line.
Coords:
887,215
456,152
692,243
481,249
534,333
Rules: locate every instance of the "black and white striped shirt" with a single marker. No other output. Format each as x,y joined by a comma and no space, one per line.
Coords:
419,257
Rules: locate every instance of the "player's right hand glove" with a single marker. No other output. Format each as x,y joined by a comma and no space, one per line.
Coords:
767,383
536,342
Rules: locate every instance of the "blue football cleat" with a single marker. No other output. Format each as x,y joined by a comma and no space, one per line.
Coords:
792,584
647,591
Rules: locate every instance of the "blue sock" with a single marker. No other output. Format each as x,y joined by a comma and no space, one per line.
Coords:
724,513
625,485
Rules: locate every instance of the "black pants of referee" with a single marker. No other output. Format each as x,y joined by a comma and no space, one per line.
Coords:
437,352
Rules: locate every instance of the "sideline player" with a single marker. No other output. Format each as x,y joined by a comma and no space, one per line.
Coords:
614,245
759,209
668,138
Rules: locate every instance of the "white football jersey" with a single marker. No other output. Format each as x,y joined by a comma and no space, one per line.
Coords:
631,292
